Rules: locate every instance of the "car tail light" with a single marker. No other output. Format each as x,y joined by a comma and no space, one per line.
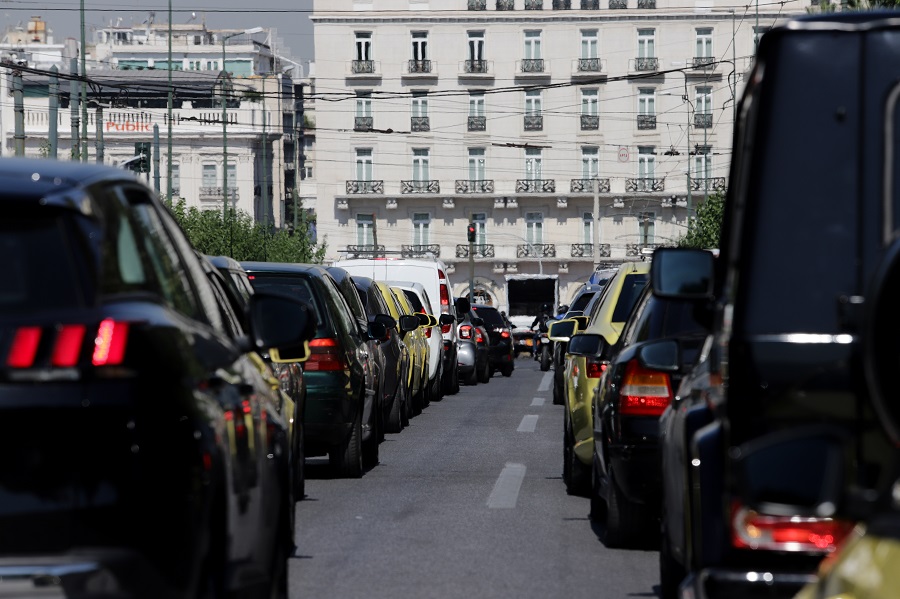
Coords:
68,345
595,367
109,345
644,392
324,355
752,530
504,333
24,347
479,338
465,331
427,329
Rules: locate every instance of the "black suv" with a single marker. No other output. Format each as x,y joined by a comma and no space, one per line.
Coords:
811,207
500,344
137,427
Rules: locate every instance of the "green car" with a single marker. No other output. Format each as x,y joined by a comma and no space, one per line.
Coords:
587,354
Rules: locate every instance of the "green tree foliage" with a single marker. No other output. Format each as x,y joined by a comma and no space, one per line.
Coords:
704,228
238,236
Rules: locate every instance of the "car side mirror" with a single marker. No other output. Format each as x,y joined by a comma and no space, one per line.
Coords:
478,321
680,273
462,304
424,321
408,323
377,331
582,322
446,319
386,319
562,330
662,356
281,326
585,344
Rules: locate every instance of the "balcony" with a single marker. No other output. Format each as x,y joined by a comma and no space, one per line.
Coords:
586,250
215,193
366,251
531,66
590,4
475,67
419,67
415,186
590,122
588,65
618,4
704,63
646,121
645,184
536,250
364,187
634,250
418,124
474,186
362,67
477,4
506,5
534,4
562,4
646,4
534,122
587,185
535,185
477,123
646,64
479,250
363,123
708,184
420,251
703,120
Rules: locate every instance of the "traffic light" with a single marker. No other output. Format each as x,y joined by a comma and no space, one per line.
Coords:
142,149
470,232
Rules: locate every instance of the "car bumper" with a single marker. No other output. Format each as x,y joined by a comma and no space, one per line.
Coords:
329,411
501,355
636,470
714,583
465,357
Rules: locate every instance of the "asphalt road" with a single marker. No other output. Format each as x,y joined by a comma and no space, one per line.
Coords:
467,502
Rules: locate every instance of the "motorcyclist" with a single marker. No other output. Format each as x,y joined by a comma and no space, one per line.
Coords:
541,321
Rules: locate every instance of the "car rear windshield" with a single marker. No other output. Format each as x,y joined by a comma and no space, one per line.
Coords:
41,272
414,300
582,300
296,286
490,316
631,291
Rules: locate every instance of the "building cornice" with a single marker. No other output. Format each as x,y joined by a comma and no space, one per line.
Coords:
618,17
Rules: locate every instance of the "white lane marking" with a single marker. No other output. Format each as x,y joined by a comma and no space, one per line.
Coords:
545,382
529,423
537,401
506,489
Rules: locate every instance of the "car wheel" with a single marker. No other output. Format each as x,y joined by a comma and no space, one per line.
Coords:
625,520
545,359
598,505
507,370
456,380
298,462
417,401
671,573
394,422
558,391
486,373
575,474
370,446
405,406
346,458
437,390
472,377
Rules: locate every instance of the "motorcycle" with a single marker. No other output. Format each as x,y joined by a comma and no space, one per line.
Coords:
543,352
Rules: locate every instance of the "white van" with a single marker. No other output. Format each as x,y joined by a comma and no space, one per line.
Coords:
432,274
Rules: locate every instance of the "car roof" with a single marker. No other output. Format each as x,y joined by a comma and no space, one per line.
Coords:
284,268
601,323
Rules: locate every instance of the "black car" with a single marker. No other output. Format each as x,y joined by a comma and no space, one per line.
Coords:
500,341
144,453
340,400
631,396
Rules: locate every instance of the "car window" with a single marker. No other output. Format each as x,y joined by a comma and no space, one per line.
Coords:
632,286
224,303
338,309
490,316
638,325
414,300
582,300
297,286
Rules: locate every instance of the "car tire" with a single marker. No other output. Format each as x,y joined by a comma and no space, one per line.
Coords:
370,446
394,422
456,385
545,359
472,377
575,474
347,458
405,406
486,374
598,505
507,370
671,573
298,464
625,520
437,390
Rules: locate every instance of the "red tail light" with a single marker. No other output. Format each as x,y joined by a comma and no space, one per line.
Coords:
465,331
504,333
427,329
24,347
68,345
644,392
595,368
109,345
479,338
445,292
324,355
751,530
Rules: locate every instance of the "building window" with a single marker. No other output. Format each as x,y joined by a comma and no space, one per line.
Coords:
176,179
590,43
534,227
364,164
476,45
646,226
420,104
476,164
646,43
363,45
704,43
364,120
420,164
646,162
703,103
646,108
420,45
477,120
479,219
365,229
533,160
421,225
231,174
590,162
533,102
587,228
532,45
589,102
210,176
702,163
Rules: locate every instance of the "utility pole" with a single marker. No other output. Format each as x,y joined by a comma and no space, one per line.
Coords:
19,109
299,158
169,102
84,119
595,223
98,145
156,157
264,192
54,112
74,89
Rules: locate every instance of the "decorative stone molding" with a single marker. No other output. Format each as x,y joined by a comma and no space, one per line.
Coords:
391,204
449,204
343,205
562,202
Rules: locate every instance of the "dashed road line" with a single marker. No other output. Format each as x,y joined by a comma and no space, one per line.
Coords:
529,423
506,489
545,382
537,402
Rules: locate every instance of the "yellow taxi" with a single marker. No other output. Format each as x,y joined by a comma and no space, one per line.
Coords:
418,349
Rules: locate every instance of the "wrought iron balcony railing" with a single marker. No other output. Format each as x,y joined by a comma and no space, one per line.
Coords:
646,64
482,250
533,65
618,4
646,3
703,120
476,66
215,193
633,250
534,4
419,66
535,185
589,65
587,185
363,123
703,62
477,123
645,184
536,250
562,4
708,184
534,122
590,4
474,186
419,251
585,250
359,187
589,122
365,251
419,123
414,186
506,5
362,67
646,121
477,4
